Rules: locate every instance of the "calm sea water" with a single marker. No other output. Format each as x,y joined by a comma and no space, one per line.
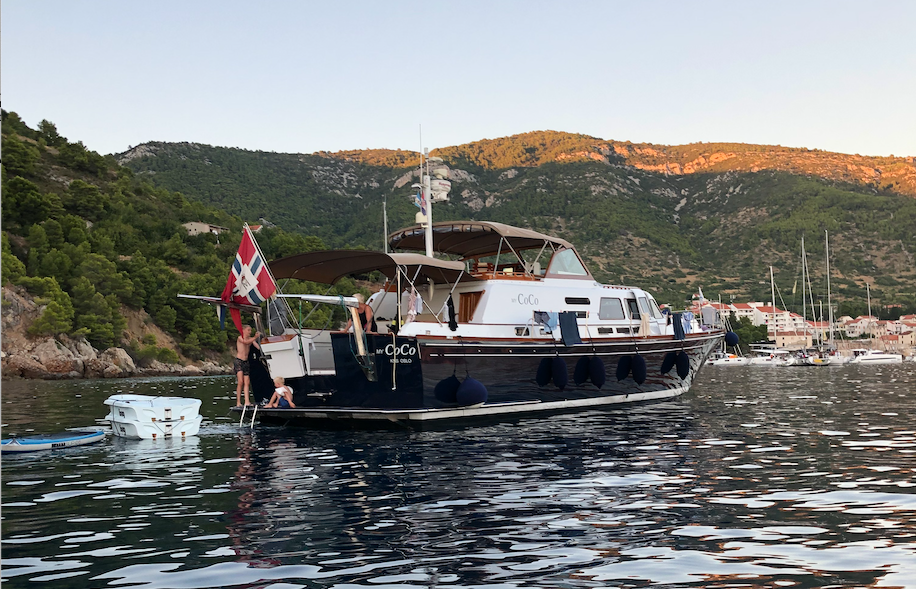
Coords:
780,477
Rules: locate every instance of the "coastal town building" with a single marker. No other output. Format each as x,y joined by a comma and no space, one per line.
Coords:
792,331
198,227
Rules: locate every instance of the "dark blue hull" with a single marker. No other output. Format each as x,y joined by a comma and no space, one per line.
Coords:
401,375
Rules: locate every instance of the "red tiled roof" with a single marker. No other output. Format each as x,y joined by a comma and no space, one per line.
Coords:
719,306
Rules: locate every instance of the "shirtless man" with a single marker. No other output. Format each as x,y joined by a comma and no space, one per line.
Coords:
240,364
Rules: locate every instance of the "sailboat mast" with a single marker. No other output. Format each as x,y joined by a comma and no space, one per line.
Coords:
810,293
870,328
773,297
804,286
829,303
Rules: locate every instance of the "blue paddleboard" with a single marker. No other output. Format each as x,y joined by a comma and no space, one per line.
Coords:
51,441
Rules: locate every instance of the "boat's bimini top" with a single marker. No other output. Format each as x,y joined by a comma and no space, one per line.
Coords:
472,239
329,266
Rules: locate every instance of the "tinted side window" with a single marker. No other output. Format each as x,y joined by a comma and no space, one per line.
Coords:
611,309
634,309
644,306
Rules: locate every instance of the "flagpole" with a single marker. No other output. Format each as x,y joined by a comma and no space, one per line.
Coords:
257,246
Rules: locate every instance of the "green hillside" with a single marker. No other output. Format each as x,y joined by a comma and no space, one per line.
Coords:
94,241
672,218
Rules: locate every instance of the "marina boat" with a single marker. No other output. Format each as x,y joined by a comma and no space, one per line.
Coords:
58,441
513,324
146,417
767,354
871,356
831,358
810,357
863,356
725,359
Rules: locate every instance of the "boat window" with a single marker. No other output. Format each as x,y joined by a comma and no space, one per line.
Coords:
644,306
610,309
633,308
566,262
653,306
577,301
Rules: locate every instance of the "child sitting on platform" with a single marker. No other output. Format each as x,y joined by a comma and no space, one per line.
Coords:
282,397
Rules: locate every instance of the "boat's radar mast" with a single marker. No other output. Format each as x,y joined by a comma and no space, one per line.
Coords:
433,187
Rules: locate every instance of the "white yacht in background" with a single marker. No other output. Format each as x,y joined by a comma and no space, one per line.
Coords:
863,356
769,355
871,356
725,359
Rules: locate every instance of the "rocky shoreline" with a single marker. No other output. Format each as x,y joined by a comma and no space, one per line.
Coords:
63,357
52,359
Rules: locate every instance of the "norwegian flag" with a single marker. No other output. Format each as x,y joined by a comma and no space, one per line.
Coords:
249,282
419,200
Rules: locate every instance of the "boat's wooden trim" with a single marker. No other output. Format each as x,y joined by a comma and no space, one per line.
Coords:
506,276
467,341
276,339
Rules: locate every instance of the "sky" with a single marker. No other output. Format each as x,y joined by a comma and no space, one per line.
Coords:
306,76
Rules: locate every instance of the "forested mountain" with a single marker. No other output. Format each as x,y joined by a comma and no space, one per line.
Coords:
671,218
95,241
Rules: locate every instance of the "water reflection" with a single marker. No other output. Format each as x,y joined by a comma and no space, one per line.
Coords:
804,480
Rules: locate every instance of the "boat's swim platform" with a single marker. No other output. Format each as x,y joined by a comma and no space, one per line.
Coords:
56,441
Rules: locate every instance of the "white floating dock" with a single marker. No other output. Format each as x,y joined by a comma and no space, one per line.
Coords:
147,417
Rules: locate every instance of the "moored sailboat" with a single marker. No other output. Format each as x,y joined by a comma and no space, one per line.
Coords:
871,356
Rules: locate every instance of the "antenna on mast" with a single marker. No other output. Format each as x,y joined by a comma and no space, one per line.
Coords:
430,191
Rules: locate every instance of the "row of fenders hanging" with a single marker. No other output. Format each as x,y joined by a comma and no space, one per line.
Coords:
471,391
591,368
452,391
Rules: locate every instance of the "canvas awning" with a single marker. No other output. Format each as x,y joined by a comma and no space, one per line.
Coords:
472,239
329,266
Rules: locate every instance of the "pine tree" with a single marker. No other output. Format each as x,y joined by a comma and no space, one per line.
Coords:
54,320
191,346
